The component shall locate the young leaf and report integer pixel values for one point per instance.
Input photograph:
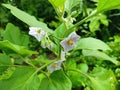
(23, 78)
(69, 4)
(10, 48)
(57, 81)
(13, 34)
(104, 5)
(92, 43)
(26, 18)
(58, 6)
(99, 55)
(94, 25)
(96, 21)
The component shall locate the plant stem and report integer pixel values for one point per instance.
(43, 67)
(85, 7)
(76, 70)
(83, 20)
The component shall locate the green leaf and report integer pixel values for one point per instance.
(103, 79)
(96, 21)
(58, 33)
(83, 67)
(5, 69)
(103, 19)
(57, 81)
(69, 4)
(92, 43)
(94, 25)
(99, 55)
(7, 73)
(26, 18)
(77, 79)
(104, 5)
(10, 48)
(23, 78)
(13, 34)
(58, 6)
(5, 60)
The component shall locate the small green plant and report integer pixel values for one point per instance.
(24, 69)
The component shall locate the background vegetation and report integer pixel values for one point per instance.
(104, 26)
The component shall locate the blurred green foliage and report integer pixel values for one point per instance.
(41, 9)
(104, 26)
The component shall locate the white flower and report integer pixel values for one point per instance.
(37, 32)
(70, 42)
(54, 66)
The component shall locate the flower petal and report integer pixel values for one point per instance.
(54, 66)
(70, 42)
(38, 33)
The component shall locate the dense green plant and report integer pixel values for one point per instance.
(67, 66)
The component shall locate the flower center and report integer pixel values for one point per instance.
(38, 31)
(54, 66)
(70, 42)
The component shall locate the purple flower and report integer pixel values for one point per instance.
(37, 32)
(54, 66)
(70, 42)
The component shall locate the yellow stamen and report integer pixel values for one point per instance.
(54, 66)
(38, 31)
(70, 42)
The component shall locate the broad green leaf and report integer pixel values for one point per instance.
(83, 67)
(58, 33)
(58, 6)
(5, 60)
(57, 81)
(104, 5)
(103, 79)
(5, 69)
(70, 63)
(100, 55)
(23, 78)
(92, 43)
(10, 48)
(7, 73)
(69, 4)
(76, 78)
(26, 18)
(13, 34)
